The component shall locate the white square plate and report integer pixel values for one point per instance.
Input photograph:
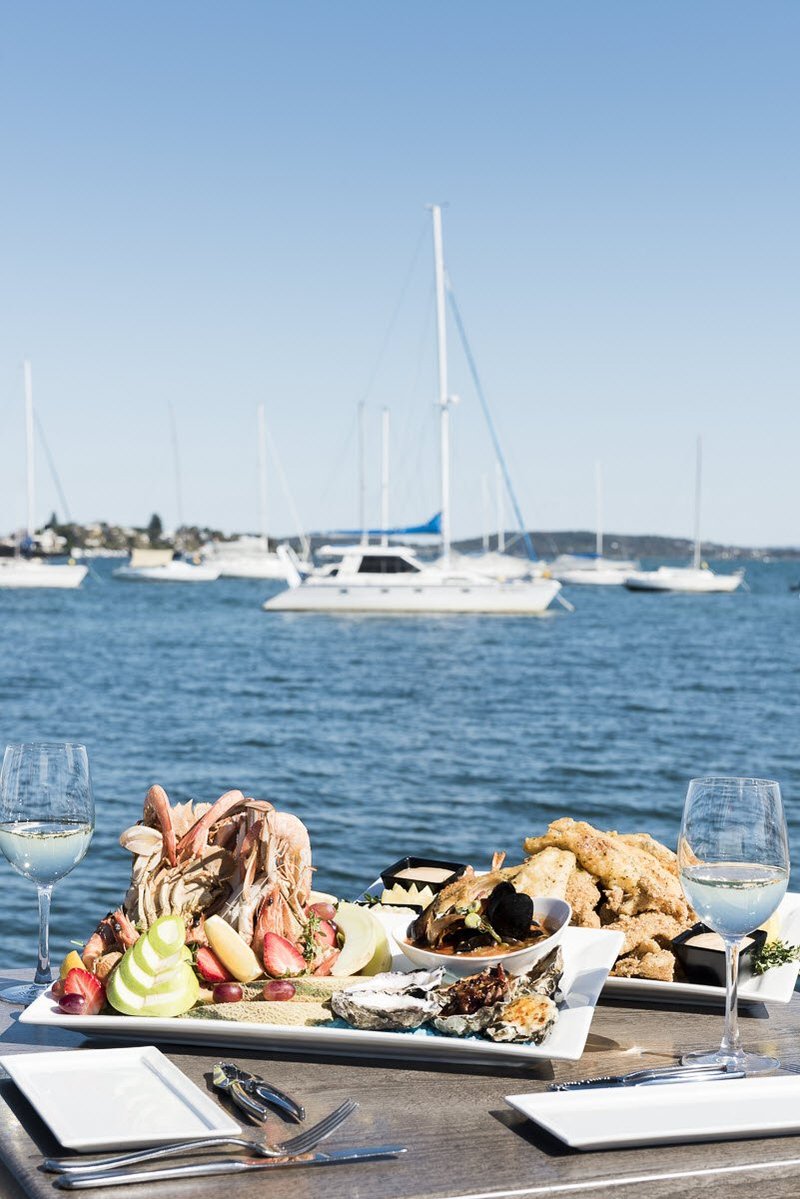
(667, 1115)
(94, 1099)
(589, 954)
(776, 986)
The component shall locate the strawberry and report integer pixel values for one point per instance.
(210, 967)
(281, 958)
(81, 982)
(327, 964)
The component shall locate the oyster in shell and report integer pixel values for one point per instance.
(528, 1018)
(390, 1002)
(469, 1004)
(544, 976)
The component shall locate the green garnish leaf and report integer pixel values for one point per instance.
(775, 953)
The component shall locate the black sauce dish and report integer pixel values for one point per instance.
(705, 964)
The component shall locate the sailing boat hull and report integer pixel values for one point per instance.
(517, 599)
(263, 567)
(60, 576)
(687, 579)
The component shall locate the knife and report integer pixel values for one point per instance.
(334, 1157)
(654, 1077)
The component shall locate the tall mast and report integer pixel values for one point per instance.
(486, 512)
(362, 478)
(262, 474)
(501, 516)
(697, 486)
(598, 482)
(385, 476)
(176, 462)
(444, 399)
(29, 447)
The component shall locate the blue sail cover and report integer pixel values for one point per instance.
(432, 529)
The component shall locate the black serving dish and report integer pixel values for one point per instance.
(705, 965)
(390, 877)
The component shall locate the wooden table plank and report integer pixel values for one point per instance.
(464, 1140)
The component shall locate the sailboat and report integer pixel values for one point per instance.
(250, 557)
(21, 572)
(392, 578)
(593, 569)
(697, 577)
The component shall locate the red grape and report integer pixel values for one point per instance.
(227, 993)
(325, 911)
(279, 990)
(72, 1005)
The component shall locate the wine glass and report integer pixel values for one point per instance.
(46, 824)
(733, 857)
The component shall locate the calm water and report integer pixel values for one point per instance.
(446, 735)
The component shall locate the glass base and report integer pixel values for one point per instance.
(750, 1063)
(24, 994)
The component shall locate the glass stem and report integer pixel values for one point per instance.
(43, 974)
(730, 1040)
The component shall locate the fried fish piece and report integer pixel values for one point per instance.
(667, 857)
(648, 932)
(635, 879)
(583, 896)
(658, 965)
(547, 873)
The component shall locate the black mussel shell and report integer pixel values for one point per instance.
(509, 913)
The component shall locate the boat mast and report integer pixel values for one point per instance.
(362, 481)
(29, 448)
(262, 474)
(444, 399)
(697, 486)
(598, 482)
(385, 476)
(501, 516)
(486, 512)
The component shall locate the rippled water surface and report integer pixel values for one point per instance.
(446, 735)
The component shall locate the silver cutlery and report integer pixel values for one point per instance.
(304, 1142)
(250, 1092)
(336, 1157)
(656, 1076)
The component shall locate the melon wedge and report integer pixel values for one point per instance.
(381, 960)
(232, 950)
(359, 929)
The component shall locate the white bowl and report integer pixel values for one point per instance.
(554, 913)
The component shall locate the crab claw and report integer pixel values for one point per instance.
(158, 813)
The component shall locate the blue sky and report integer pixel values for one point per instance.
(214, 205)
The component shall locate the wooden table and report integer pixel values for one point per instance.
(463, 1139)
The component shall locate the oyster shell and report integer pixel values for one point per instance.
(544, 976)
(390, 1002)
(528, 1018)
(469, 1004)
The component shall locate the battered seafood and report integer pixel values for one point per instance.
(626, 882)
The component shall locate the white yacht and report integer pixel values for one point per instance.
(244, 558)
(26, 573)
(695, 578)
(33, 572)
(391, 578)
(683, 578)
(377, 578)
(593, 569)
(161, 566)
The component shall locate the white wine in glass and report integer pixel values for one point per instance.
(46, 824)
(733, 857)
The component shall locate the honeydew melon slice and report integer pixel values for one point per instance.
(232, 950)
(359, 929)
(167, 936)
(381, 960)
(171, 995)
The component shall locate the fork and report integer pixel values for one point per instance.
(302, 1143)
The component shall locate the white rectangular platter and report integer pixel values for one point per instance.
(589, 954)
(116, 1098)
(667, 1115)
(776, 986)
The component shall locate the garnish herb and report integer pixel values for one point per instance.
(775, 953)
(310, 945)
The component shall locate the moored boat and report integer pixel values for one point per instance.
(161, 566)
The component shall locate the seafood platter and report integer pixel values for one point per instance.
(221, 939)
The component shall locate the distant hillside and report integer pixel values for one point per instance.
(625, 545)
